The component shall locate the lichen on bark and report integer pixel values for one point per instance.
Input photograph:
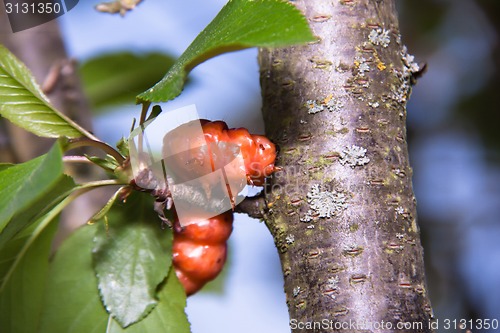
(336, 108)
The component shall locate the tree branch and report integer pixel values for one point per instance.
(344, 214)
(253, 206)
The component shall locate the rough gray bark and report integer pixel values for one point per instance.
(344, 219)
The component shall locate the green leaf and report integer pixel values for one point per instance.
(240, 24)
(16, 252)
(109, 163)
(24, 104)
(132, 256)
(21, 297)
(41, 206)
(23, 184)
(122, 146)
(4, 166)
(72, 303)
(117, 78)
(155, 112)
(167, 317)
(102, 213)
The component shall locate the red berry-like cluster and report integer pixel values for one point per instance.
(199, 250)
(200, 245)
(258, 151)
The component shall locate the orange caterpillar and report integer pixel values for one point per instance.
(199, 246)
(258, 151)
(190, 154)
(199, 250)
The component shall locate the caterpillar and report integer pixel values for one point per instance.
(200, 245)
(192, 152)
(199, 250)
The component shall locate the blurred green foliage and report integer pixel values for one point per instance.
(116, 78)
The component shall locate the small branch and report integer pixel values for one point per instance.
(252, 206)
(52, 77)
(144, 113)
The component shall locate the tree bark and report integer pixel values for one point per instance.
(342, 211)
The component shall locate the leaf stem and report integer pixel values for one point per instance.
(142, 120)
(75, 125)
(76, 159)
(144, 112)
(105, 209)
(99, 183)
(86, 142)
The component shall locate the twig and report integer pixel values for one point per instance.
(253, 206)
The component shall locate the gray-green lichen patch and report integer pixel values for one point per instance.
(401, 92)
(353, 156)
(363, 67)
(409, 61)
(361, 63)
(324, 204)
(314, 107)
(328, 104)
(333, 282)
(380, 37)
(296, 291)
